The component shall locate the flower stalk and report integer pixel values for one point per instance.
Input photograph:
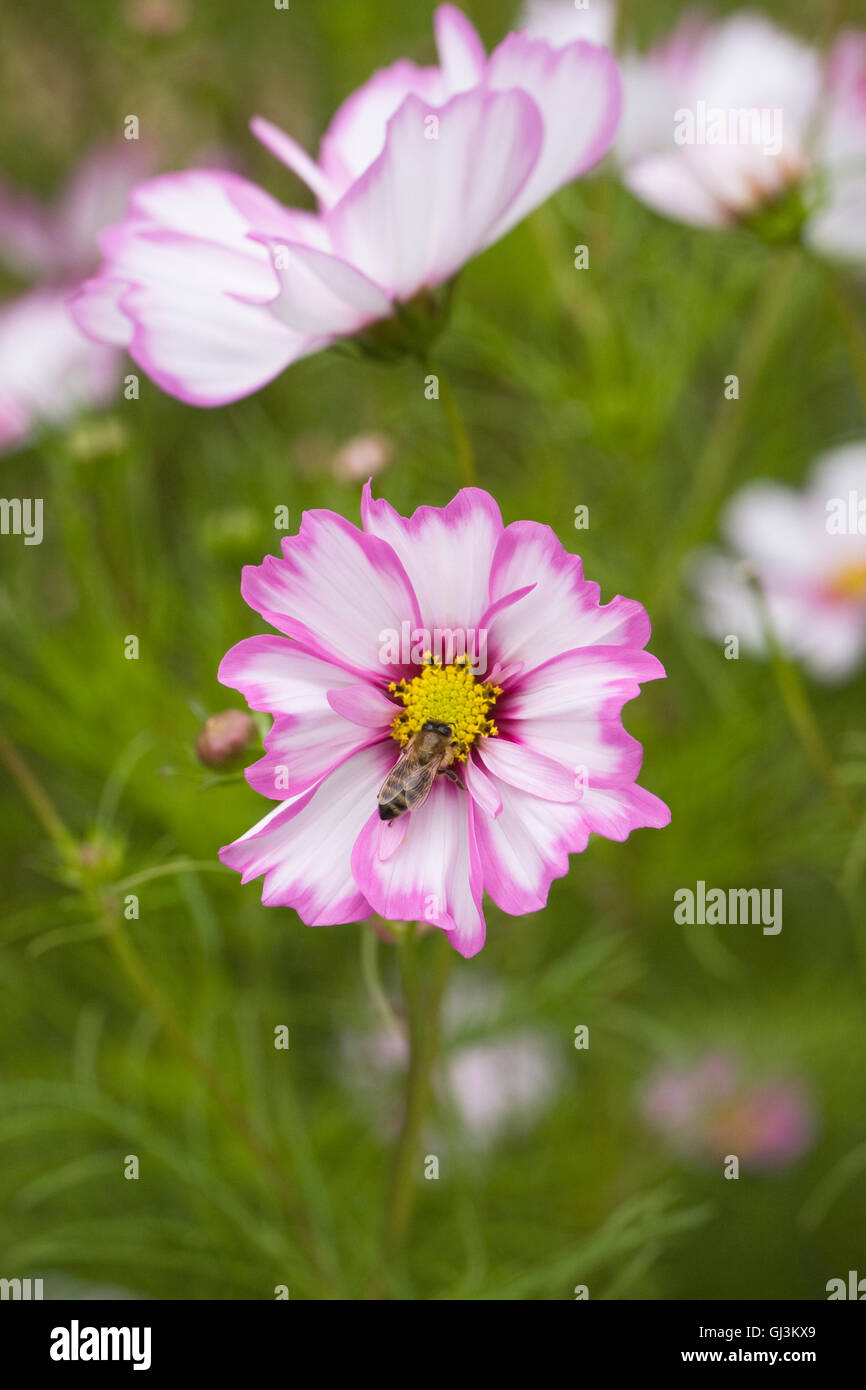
(424, 990)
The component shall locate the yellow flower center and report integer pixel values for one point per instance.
(849, 582)
(446, 695)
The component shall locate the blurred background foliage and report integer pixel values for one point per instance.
(601, 387)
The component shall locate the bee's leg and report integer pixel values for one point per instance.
(453, 774)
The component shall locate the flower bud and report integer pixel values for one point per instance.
(224, 737)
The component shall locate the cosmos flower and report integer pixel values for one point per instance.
(215, 287)
(807, 552)
(48, 370)
(738, 121)
(709, 1109)
(538, 756)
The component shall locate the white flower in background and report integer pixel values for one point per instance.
(48, 369)
(563, 21)
(807, 552)
(736, 120)
(503, 1087)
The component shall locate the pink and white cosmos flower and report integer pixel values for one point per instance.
(48, 369)
(555, 767)
(215, 287)
(807, 551)
(812, 145)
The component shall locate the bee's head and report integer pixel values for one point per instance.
(433, 727)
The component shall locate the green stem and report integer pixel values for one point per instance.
(459, 433)
(373, 981)
(799, 709)
(852, 329)
(713, 467)
(423, 1002)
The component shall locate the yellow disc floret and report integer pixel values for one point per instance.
(849, 583)
(446, 695)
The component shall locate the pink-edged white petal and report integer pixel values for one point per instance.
(524, 848)
(295, 157)
(577, 91)
(461, 52)
(277, 676)
(364, 704)
(446, 552)
(562, 612)
(48, 370)
(481, 787)
(322, 295)
(521, 765)
(433, 875)
(570, 711)
(440, 188)
(356, 135)
(336, 590)
(304, 848)
(615, 812)
(196, 283)
(300, 751)
(96, 308)
(311, 734)
(208, 349)
(669, 184)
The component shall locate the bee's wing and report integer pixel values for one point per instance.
(418, 779)
(408, 784)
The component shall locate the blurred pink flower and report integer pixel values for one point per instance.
(48, 372)
(363, 456)
(736, 65)
(499, 1084)
(552, 665)
(807, 552)
(224, 737)
(48, 369)
(711, 1109)
(502, 1085)
(215, 287)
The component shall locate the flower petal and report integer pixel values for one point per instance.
(526, 847)
(310, 735)
(356, 135)
(321, 294)
(615, 812)
(461, 52)
(434, 875)
(523, 766)
(335, 590)
(577, 91)
(365, 705)
(48, 371)
(570, 710)
(96, 308)
(446, 552)
(481, 787)
(436, 194)
(287, 150)
(304, 848)
(563, 611)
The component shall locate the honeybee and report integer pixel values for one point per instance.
(411, 779)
